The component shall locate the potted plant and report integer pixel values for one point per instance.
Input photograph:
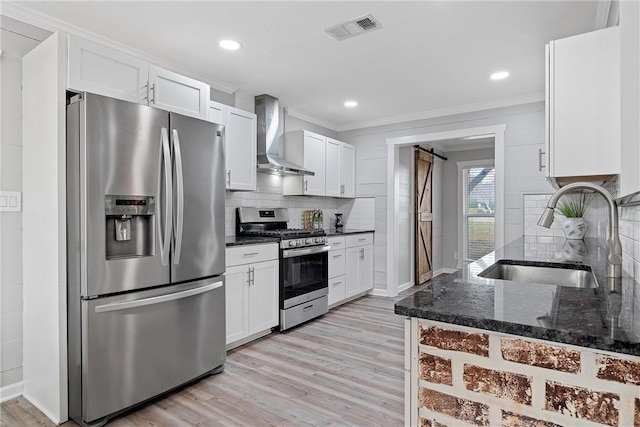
(573, 207)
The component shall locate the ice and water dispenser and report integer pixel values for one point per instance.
(129, 226)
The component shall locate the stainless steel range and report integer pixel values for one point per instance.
(304, 263)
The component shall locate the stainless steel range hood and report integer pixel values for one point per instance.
(269, 160)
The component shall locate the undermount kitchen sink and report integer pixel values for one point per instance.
(576, 276)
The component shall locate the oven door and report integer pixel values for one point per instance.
(304, 275)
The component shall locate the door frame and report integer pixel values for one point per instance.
(393, 186)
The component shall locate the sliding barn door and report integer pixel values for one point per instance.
(424, 216)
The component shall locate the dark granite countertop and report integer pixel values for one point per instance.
(331, 232)
(249, 240)
(605, 318)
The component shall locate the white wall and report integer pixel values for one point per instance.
(11, 333)
(523, 136)
(450, 190)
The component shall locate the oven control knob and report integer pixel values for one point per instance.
(293, 242)
(318, 239)
(308, 241)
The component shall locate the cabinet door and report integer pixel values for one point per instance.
(314, 160)
(347, 170)
(336, 263)
(584, 104)
(217, 113)
(174, 92)
(236, 302)
(337, 290)
(263, 296)
(352, 266)
(365, 273)
(332, 170)
(99, 69)
(240, 149)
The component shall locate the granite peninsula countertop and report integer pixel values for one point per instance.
(605, 318)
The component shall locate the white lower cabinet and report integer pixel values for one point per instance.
(351, 271)
(251, 291)
(337, 281)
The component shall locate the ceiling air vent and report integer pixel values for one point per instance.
(354, 27)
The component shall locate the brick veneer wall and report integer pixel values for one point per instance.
(466, 376)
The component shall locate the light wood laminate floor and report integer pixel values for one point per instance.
(343, 369)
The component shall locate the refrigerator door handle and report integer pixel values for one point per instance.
(157, 300)
(168, 203)
(179, 199)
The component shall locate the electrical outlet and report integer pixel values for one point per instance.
(10, 201)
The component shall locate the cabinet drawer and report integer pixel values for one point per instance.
(336, 263)
(337, 289)
(336, 242)
(251, 253)
(359, 240)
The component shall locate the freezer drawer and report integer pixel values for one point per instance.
(139, 345)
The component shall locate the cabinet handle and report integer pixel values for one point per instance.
(362, 239)
(306, 185)
(229, 178)
(342, 189)
(146, 92)
(337, 256)
(361, 254)
(540, 154)
(250, 254)
(153, 89)
(249, 276)
(253, 275)
(337, 283)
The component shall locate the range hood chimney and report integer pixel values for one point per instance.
(269, 160)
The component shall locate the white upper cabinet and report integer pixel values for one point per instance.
(332, 161)
(307, 149)
(340, 169)
(239, 144)
(347, 170)
(173, 92)
(106, 71)
(583, 105)
(332, 170)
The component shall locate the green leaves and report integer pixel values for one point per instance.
(573, 205)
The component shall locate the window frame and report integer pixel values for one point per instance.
(462, 207)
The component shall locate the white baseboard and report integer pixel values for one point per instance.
(379, 293)
(405, 286)
(444, 271)
(42, 409)
(11, 391)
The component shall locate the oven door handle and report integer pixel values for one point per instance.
(290, 253)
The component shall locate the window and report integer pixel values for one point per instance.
(478, 210)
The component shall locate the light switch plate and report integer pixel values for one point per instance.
(10, 201)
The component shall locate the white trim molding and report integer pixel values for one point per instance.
(393, 145)
(11, 391)
(405, 286)
(444, 271)
(379, 293)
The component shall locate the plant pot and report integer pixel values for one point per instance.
(574, 228)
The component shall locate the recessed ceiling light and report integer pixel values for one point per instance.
(500, 75)
(350, 104)
(229, 44)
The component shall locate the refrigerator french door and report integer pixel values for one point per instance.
(145, 215)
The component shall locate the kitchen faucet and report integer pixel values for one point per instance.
(614, 248)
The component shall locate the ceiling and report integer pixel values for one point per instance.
(430, 58)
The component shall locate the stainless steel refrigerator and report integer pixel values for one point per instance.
(146, 253)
